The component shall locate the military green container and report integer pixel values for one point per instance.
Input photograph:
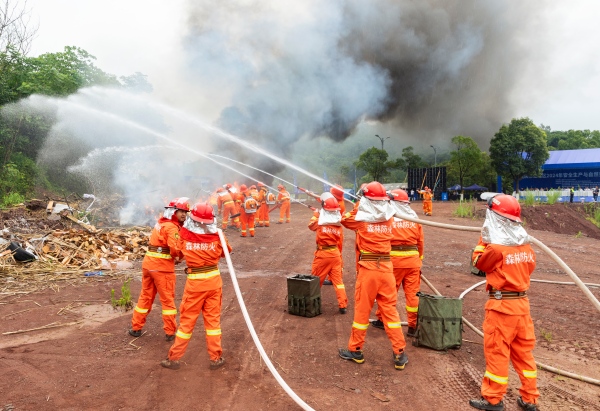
(439, 322)
(304, 295)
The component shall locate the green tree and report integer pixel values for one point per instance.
(465, 161)
(375, 162)
(410, 159)
(518, 150)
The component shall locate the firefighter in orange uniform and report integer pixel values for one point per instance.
(202, 249)
(508, 260)
(338, 193)
(407, 253)
(225, 204)
(236, 210)
(328, 257)
(247, 211)
(283, 198)
(263, 208)
(427, 200)
(158, 269)
(375, 278)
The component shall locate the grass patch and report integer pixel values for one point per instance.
(546, 335)
(125, 300)
(529, 198)
(579, 234)
(552, 196)
(465, 209)
(592, 212)
(12, 199)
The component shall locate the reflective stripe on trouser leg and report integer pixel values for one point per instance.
(145, 301)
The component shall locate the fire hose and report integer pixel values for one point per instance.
(261, 350)
(544, 248)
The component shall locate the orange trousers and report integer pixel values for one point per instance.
(427, 207)
(263, 215)
(376, 283)
(228, 209)
(247, 221)
(192, 305)
(284, 211)
(153, 282)
(410, 280)
(508, 338)
(332, 266)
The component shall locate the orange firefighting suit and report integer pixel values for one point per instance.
(225, 203)
(374, 281)
(407, 252)
(247, 218)
(328, 257)
(507, 327)
(236, 210)
(202, 293)
(263, 210)
(158, 275)
(427, 201)
(283, 198)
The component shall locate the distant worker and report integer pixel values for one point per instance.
(271, 201)
(235, 221)
(375, 278)
(571, 194)
(203, 290)
(427, 200)
(225, 205)
(407, 255)
(247, 211)
(508, 260)
(263, 208)
(595, 194)
(328, 257)
(158, 269)
(284, 199)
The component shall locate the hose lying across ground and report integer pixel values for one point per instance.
(306, 407)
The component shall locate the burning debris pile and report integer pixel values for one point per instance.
(55, 240)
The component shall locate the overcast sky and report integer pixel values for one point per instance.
(146, 36)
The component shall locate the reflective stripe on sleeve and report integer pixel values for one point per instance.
(394, 325)
(213, 332)
(412, 309)
(169, 312)
(141, 310)
(360, 326)
(183, 335)
(530, 373)
(496, 378)
(158, 255)
(203, 276)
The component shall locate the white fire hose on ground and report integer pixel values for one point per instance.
(261, 350)
(564, 266)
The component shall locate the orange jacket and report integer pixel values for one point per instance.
(164, 234)
(254, 193)
(370, 237)
(262, 195)
(507, 268)
(222, 199)
(327, 235)
(407, 233)
(283, 196)
(427, 195)
(202, 250)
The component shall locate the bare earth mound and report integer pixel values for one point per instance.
(93, 364)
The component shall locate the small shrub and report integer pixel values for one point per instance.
(579, 234)
(125, 300)
(529, 198)
(465, 209)
(547, 335)
(553, 196)
(12, 199)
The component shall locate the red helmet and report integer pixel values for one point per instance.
(506, 206)
(202, 213)
(243, 187)
(180, 203)
(252, 187)
(399, 195)
(227, 186)
(375, 191)
(280, 187)
(337, 191)
(261, 184)
(330, 204)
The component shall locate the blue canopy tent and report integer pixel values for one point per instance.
(475, 187)
(455, 187)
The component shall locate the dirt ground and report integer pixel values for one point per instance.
(93, 364)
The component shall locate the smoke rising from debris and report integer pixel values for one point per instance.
(429, 69)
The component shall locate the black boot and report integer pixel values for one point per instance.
(483, 404)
